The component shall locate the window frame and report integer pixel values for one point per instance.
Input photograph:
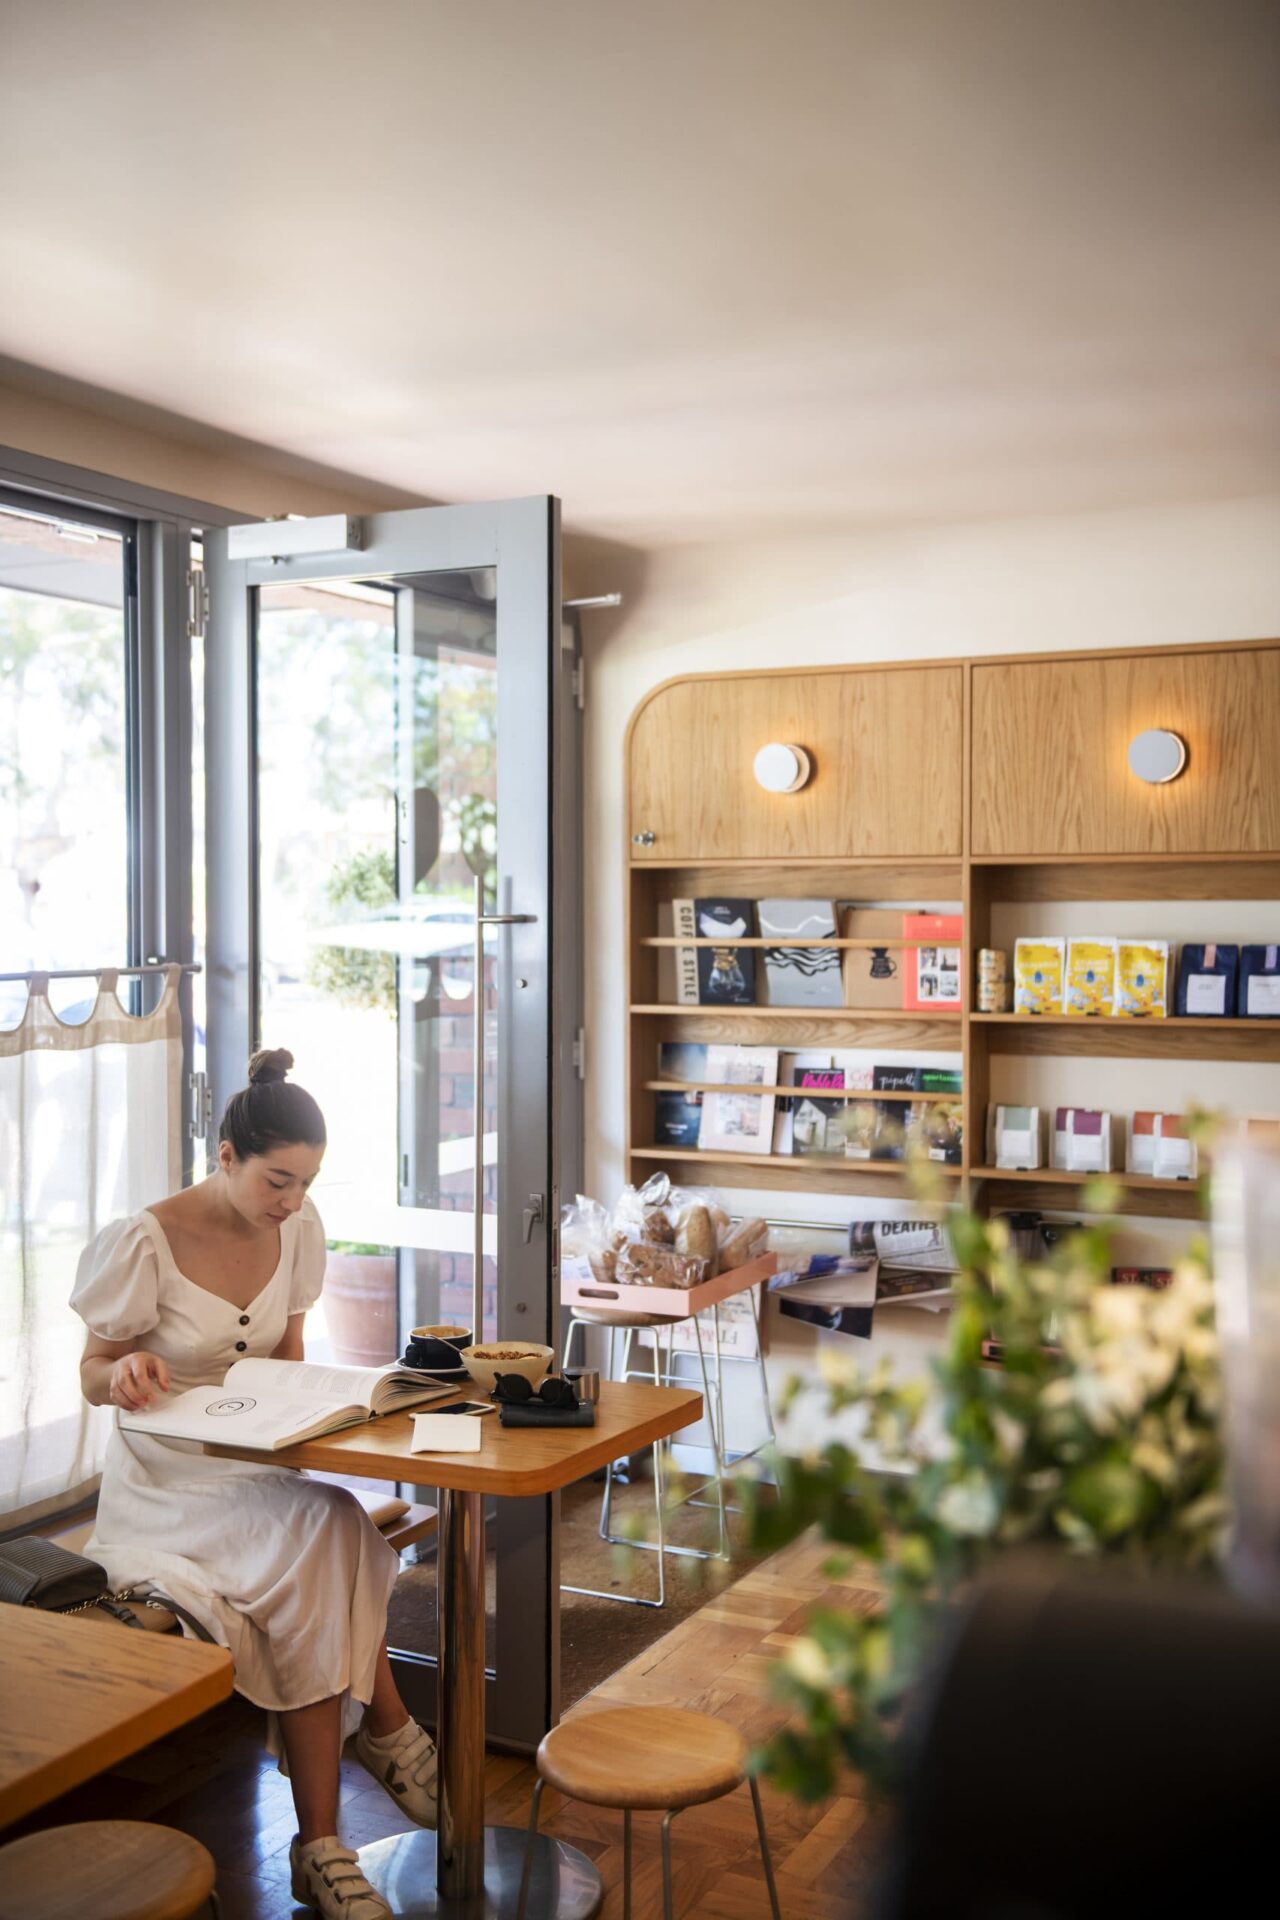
(158, 529)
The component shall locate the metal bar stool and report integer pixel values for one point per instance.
(628, 1324)
(637, 1758)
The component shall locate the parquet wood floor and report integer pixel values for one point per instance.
(213, 1780)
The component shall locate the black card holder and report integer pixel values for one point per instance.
(535, 1415)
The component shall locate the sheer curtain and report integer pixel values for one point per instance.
(90, 1130)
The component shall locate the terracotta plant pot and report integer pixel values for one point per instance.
(359, 1303)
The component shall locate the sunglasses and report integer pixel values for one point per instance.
(515, 1391)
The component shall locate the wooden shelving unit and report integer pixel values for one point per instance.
(855, 835)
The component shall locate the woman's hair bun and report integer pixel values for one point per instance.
(269, 1065)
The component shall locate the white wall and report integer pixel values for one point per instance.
(1171, 575)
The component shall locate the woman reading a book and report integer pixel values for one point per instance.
(290, 1574)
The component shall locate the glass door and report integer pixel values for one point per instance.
(385, 729)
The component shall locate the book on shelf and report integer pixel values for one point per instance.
(678, 1114)
(726, 973)
(677, 966)
(739, 1122)
(800, 976)
(872, 975)
(896, 1079)
(935, 1131)
(933, 974)
(819, 1128)
(791, 1067)
(270, 1404)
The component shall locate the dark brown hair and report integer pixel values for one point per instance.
(271, 1111)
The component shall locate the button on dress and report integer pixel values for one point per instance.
(288, 1573)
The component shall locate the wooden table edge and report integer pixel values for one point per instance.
(52, 1778)
(464, 1474)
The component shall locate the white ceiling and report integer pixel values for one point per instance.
(722, 267)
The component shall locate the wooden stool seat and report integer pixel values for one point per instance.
(643, 1757)
(110, 1869)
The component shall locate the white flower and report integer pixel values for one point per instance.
(969, 1506)
(807, 1663)
(836, 1368)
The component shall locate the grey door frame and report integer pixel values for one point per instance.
(536, 838)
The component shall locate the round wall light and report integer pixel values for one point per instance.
(1157, 756)
(781, 769)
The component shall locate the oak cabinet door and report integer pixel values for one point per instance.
(886, 753)
(1050, 754)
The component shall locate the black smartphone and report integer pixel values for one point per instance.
(461, 1406)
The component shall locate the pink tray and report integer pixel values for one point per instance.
(681, 1302)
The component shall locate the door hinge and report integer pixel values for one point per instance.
(579, 684)
(197, 603)
(580, 1053)
(200, 1117)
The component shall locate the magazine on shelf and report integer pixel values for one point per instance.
(271, 1404)
(726, 973)
(739, 1122)
(678, 1116)
(933, 973)
(872, 975)
(790, 1068)
(799, 976)
(677, 976)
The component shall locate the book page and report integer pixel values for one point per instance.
(238, 1419)
(343, 1385)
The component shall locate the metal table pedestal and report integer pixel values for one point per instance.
(467, 1869)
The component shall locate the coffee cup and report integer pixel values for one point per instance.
(437, 1347)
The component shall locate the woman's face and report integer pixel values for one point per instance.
(268, 1187)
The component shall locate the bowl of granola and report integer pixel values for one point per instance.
(485, 1363)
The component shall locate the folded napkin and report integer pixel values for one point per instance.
(534, 1414)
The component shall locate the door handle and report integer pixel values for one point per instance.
(535, 1210)
(534, 1214)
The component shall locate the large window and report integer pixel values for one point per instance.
(95, 875)
(64, 753)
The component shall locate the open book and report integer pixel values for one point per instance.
(274, 1403)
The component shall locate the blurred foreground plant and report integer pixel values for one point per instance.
(1099, 1435)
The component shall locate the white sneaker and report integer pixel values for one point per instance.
(406, 1770)
(326, 1875)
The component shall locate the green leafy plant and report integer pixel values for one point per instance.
(357, 1246)
(1099, 1435)
(358, 888)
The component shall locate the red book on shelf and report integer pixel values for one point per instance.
(933, 972)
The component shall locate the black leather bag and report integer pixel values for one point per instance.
(35, 1572)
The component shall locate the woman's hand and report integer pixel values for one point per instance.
(134, 1379)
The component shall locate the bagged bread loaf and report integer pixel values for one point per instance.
(696, 1235)
(745, 1242)
(643, 1265)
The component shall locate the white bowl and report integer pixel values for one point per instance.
(533, 1363)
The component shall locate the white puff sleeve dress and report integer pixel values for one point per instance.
(288, 1573)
